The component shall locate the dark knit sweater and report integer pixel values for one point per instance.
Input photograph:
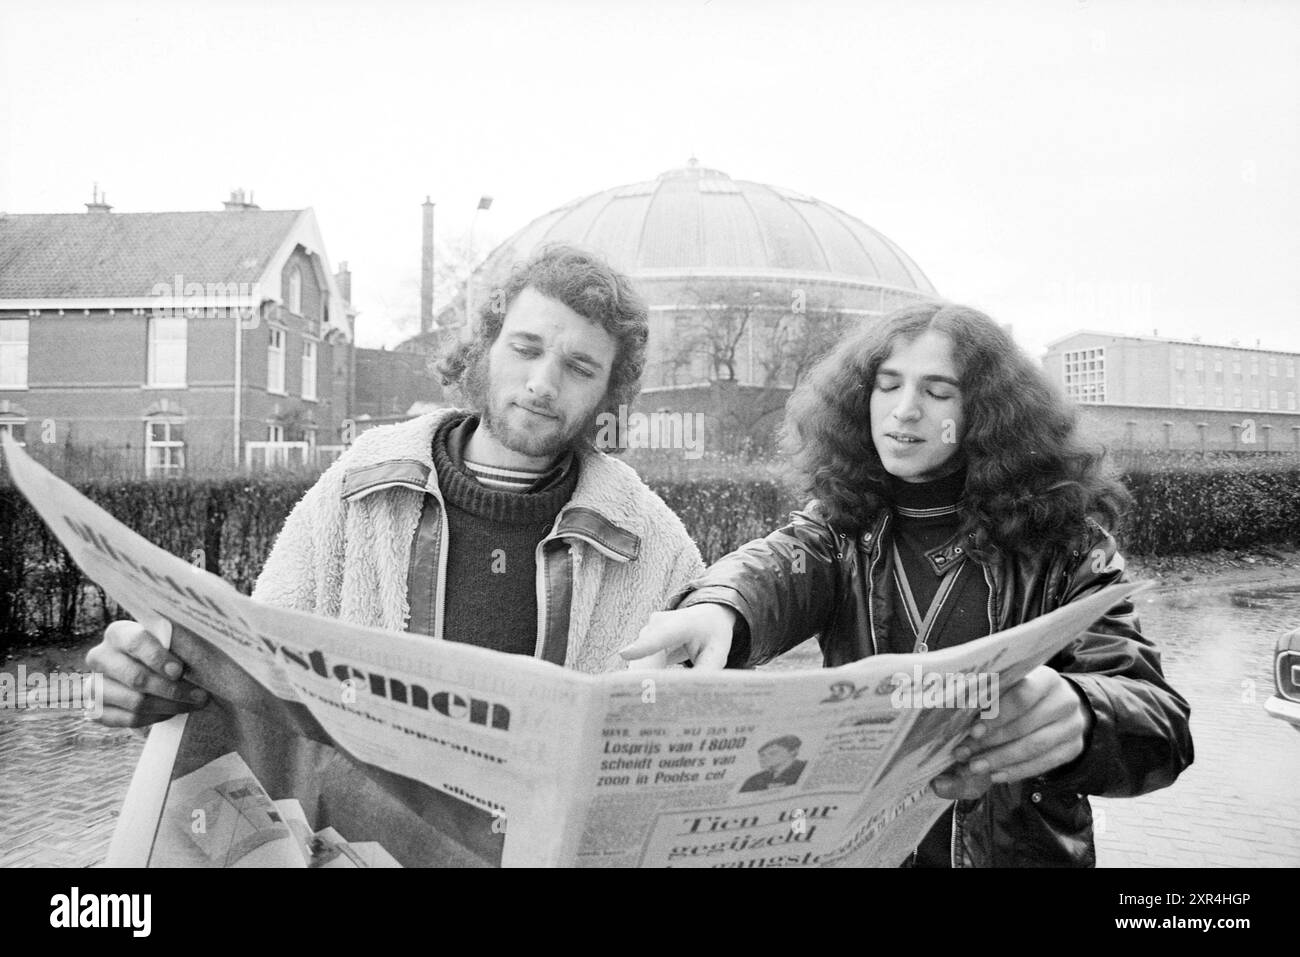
(491, 595)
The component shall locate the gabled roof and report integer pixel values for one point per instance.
(124, 255)
(132, 260)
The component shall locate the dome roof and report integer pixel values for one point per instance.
(696, 221)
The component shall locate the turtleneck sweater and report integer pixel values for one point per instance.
(491, 590)
(926, 519)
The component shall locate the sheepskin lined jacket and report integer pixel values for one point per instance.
(615, 554)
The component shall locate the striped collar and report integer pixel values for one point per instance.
(602, 510)
(937, 511)
(504, 480)
(518, 481)
(926, 499)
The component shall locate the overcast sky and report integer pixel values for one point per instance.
(1061, 164)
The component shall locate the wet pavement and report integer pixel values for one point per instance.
(62, 778)
(1239, 803)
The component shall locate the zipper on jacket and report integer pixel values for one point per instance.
(443, 540)
(953, 845)
(988, 578)
(871, 576)
(539, 563)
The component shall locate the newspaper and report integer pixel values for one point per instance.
(330, 744)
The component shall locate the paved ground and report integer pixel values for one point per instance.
(62, 778)
(1237, 804)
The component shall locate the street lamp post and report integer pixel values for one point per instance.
(485, 202)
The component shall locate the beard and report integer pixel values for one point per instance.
(518, 430)
(526, 433)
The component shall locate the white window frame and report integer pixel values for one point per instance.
(167, 352)
(1236, 398)
(173, 450)
(309, 353)
(1084, 372)
(1272, 366)
(1178, 359)
(1272, 398)
(1180, 394)
(275, 349)
(295, 291)
(9, 423)
(1290, 401)
(14, 340)
(1254, 398)
(274, 432)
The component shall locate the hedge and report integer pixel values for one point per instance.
(229, 525)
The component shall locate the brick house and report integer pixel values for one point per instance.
(165, 343)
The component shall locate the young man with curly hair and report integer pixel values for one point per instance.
(953, 499)
(500, 525)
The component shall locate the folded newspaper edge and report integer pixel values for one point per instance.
(532, 764)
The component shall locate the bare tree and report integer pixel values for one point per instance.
(720, 317)
(727, 323)
(758, 341)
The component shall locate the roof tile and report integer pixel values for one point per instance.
(123, 255)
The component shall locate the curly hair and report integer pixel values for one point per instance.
(590, 287)
(1030, 482)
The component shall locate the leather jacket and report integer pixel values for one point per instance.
(813, 578)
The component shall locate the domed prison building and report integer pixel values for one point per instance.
(748, 284)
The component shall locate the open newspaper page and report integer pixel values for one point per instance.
(327, 744)
(829, 767)
(422, 747)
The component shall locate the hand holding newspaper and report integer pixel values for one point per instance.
(330, 744)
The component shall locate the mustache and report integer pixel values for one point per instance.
(544, 409)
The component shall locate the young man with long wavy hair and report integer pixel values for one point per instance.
(952, 498)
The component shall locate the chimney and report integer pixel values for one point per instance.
(99, 202)
(343, 278)
(237, 203)
(426, 270)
